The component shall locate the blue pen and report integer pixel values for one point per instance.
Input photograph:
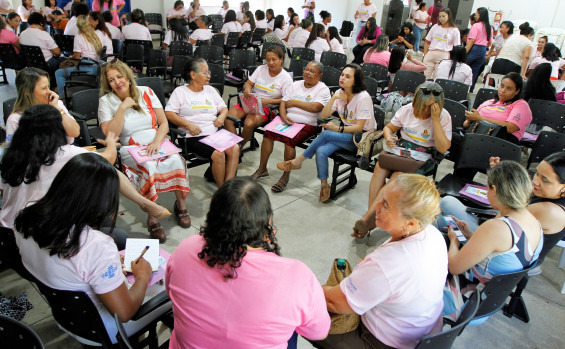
(142, 253)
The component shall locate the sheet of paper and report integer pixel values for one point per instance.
(221, 140)
(278, 126)
(476, 191)
(134, 247)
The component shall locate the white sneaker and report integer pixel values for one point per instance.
(535, 271)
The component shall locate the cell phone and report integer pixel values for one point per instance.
(405, 153)
(451, 222)
(323, 121)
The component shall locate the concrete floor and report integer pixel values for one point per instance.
(317, 233)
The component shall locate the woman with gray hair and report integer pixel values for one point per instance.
(424, 126)
(198, 109)
(510, 242)
(397, 288)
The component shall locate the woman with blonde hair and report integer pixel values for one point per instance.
(137, 116)
(397, 289)
(89, 44)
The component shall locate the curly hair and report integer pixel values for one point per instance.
(240, 216)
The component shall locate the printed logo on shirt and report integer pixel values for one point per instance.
(444, 38)
(201, 104)
(111, 272)
(350, 286)
(308, 98)
(495, 107)
(416, 135)
(261, 85)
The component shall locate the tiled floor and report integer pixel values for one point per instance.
(317, 233)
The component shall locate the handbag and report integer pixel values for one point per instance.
(396, 163)
(488, 128)
(341, 323)
(364, 151)
(69, 63)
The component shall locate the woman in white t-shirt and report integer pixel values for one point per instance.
(279, 27)
(440, 41)
(425, 127)
(25, 9)
(455, 68)
(336, 43)
(136, 30)
(198, 109)
(420, 22)
(176, 32)
(194, 12)
(178, 11)
(87, 44)
(549, 55)
(355, 109)
(248, 22)
(318, 41)
(326, 19)
(115, 32)
(270, 18)
(260, 21)
(309, 6)
(268, 83)
(5, 7)
(58, 20)
(519, 50)
(61, 244)
(225, 7)
(230, 25)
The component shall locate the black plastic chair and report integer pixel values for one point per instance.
(202, 43)
(216, 23)
(180, 48)
(156, 19)
(147, 47)
(454, 90)
(372, 87)
(217, 77)
(16, 334)
(406, 80)
(66, 43)
(331, 78)
(34, 57)
(118, 46)
(231, 42)
(135, 56)
(239, 59)
(303, 53)
(483, 95)
(7, 106)
(457, 112)
(548, 113)
(156, 84)
(9, 59)
(266, 45)
(296, 67)
(85, 112)
(245, 39)
(23, 26)
(175, 74)
(75, 312)
(212, 54)
(333, 59)
(350, 161)
(10, 254)
(374, 70)
(475, 153)
(445, 339)
(346, 29)
(217, 40)
(547, 143)
(157, 65)
(256, 40)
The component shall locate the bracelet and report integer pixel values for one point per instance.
(341, 128)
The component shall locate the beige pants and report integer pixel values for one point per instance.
(431, 60)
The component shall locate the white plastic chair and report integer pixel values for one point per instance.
(561, 262)
(559, 84)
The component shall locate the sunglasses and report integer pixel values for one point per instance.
(427, 91)
(112, 62)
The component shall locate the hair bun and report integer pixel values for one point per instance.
(524, 26)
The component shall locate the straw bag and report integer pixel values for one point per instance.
(341, 323)
(364, 147)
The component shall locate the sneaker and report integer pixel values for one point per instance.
(535, 271)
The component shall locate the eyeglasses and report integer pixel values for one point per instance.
(207, 73)
(427, 91)
(311, 71)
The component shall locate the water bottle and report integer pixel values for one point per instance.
(341, 266)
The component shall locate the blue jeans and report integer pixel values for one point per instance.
(476, 58)
(418, 35)
(327, 143)
(54, 62)
(358, 28)
(61, 75)
(450, 206)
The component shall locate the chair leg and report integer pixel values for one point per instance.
(335, 175)
(517, 307)
(561, 262)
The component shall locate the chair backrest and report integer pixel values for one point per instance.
(445, 339)
(258, 35)
(374, 70)
(202, 42)
(215, 17)
(547, 143)
(497, 290)
(333, 59)
(147, 46)
(457, 112)
(7, 107)
(217, 77)
(346, 28)
(303, 53)
(154, 19)
(213, 54)
(477, 149)
(331, 76)
(241, 59)
(379, 117)
(216, 24)
(496, 78)
(85, 103)
(180, 48)
(297, 67)
(118, 46)
(548, 113)
(34, 57)
(83, 139)
(245, 38)
(156, 84)
(66, 43)
(406, 80)
(453, 90)
(372, 86)
(135, 52)
(266, 45)
(16, 334)
(233, 39)
(483, 95)
(177, 68)
(8, 54)
(24, 26)
(75, 312)
(157, 65)
(217, 40)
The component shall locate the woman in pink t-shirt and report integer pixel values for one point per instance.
(114, 6)
(7, 36)
(440, 40)
(479, 38)
(424, 126)
(229, 285)
(379, 53)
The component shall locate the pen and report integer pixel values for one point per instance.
(142, 253)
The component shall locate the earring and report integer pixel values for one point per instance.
(563, 192)
(405, 235)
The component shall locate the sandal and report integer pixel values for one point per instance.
(360, 230)
(288, 166)
(324, 193)
(277, 188)
(183, 219)
(156, 231)
(259, 174)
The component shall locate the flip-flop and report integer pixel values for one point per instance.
(287, 166)
(276, 188)
(259, 174)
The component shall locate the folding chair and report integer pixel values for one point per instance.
(231, 42)
(303, 53)
(483, 95)
(66, 43)
(135, 56)
(457, 112)
(147, 47)
(266, 45)
(175, 74)
(331, 78)
(156, 20)
(333, 59)
(16, 334)
(256, 40)
(217, 77)
(245, 39)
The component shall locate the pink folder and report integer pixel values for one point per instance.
(475, 192)
(167, 148)
(157, 275)
(221, 140)
(278, 126)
